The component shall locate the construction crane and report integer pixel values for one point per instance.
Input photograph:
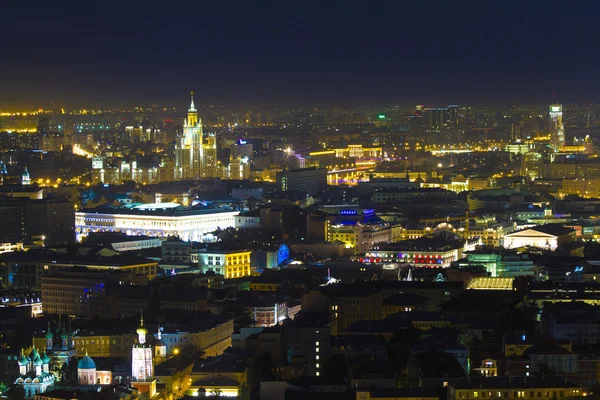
(448, 219)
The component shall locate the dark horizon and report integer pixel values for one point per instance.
(339, 53)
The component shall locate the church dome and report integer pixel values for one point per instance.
(86, 363)
(23, 360)
(45, 358)
(33, 355)
(38, 361)
(141, 331)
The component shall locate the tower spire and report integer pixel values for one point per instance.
(192, 107)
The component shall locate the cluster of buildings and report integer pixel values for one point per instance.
(355, 260)
(195, 156)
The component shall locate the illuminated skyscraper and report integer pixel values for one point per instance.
(195, 151)
(210, 167)
(188, 150)
(556, 127)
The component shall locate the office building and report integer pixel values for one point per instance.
(12, 219)
(556, 127)
(33, 192)
(310, 180)
(51, 219)
(242, 149)
(229, 263)
(513, 388)
(437, 118)
(80, 294)
(209, 165)
(586, 188)
(25, 269)
(308, 340)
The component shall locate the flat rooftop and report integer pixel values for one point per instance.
(151, 210)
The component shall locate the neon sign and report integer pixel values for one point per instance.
(348, 212)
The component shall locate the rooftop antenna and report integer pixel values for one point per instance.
(192, 107)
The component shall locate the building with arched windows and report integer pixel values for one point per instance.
(86, 371)
(34, 373)
(155, 220)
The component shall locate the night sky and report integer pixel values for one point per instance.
(298, 52)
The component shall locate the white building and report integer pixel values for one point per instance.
(34, 373)
(247, 221)
(142, 368)
(268, 315)
(157, 220)
(547, 237)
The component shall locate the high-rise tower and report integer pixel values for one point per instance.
(556, 127)
(188, 151)
(210, 165)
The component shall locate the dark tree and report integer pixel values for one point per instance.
(192, 353)
(15, 392)
(265, 365)
(244, 392)
(399, 346)
(336, 369)
(68, 373)
(544, 369)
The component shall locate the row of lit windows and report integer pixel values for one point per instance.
(517, 394)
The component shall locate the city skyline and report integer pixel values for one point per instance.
(280, 54)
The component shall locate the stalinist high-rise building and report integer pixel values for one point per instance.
(196, 153)
(188, 149)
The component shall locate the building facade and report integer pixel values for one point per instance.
(229, 263)
(34, 373)
(157, 220)
(556, 127)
